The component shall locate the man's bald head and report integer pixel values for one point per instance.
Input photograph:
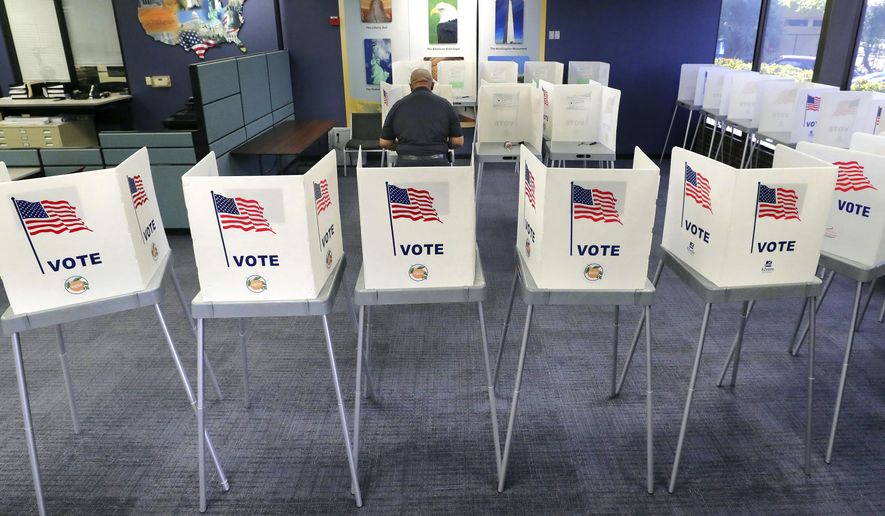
(421, 78)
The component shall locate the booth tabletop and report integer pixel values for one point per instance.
(689, 105)
(581, 149)
(782, 137)
(714, 113)
(321, 305)
(12, 322)
(17, 173)
(851, 269)
(711, 293)
(742, 124)
(408, 296)
(534, 295)
(289, 138)
(491, 150)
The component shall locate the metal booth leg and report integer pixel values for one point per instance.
(502, 476)
(689, 398)
(812, 315)
(241, 326)
(866, 304)
(617, 327)
(69, 384)
(744, 151)
(201, 422)
(669, 130)
(735, 353)
(491, 388)
(841, 391)
(506, 326)
(479, 167)
(369, 388)
(882, 312)
(190, 393)
(187, 313)
(712, 138)
(649, 419)
(26, 420)
(357, 394)
(345, 430)
(796, 345)
(655, 278)
(687, 128)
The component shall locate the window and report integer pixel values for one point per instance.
(869, 63)
(792, 32)
(738, 25)
(92, 33)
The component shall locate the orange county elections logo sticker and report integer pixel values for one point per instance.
(329, 260)
(76, 285)
(418, 272)
(154, 251)
(528, 247)
(256, 284)
(593, 272)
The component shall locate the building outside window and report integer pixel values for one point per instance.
(792, 33)
(869, 64)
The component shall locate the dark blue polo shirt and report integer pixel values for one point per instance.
(421, 122)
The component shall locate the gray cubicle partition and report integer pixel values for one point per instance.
(172, 154)
(62, 160)
(20, 157)
(240, 98)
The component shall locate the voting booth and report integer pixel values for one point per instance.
(856, 224)
(586, 229)
(789, 111)
(582, 72)
(743, 99)
(418, 226)
(460, 76)
(402, 70)
(4, 173)
(510, 113)
(871, 143)
(263, 238)
(608, 119)
(843, 113)
(391, 93)
(752, 226)
(580, 113)
(717, 93)
(536, 71)
(692, 82)
(81, 237)
(497, 72)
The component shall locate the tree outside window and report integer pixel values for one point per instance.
(869, 65)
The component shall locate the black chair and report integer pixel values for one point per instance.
(365, 132)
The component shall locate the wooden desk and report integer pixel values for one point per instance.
(290, 138)
(111, 113)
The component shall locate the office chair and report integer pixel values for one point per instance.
(365, 132)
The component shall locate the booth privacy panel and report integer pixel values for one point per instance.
(20, 157)
(137, 139)
(254, 87)
(167, 156)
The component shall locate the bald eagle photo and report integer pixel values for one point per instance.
(447, 26)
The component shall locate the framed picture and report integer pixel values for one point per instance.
(376, 11)
(509, 16)
(378, 60)
(443, 21)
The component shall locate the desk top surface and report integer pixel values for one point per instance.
(16, 173)
(288, 138)
(10, 102)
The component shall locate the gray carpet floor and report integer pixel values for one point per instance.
(426, 441)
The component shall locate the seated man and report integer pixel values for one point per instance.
(421, 127)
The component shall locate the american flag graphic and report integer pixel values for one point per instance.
(411, 203)
(530, 186)
(190, 40)
(851, 177)
(697, 187)
(812, 103)
(50, 217)
(594, 204)
(239, 213)
(321, 196)
(386, 97)
(846, 107)
(136, 188)
(546, 98)
(777, 203)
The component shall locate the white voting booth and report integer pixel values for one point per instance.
(549, 71)
(583, 113)
(856, 224)
(692, 81)
(402, 70)
(582, 72)
(496, 72)
(391, 93)
(752, 226)
(460, 76)
(83, 237)
(4, 173)
(871, 143)
(790, 110)
(263, 238)
(743, 100)
(418, 226)
(586, 229)
(717, 93)
(510, 113)
(843, 113)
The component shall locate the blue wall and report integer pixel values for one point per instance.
(143, 56)
(645, 42)
(6, 74)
